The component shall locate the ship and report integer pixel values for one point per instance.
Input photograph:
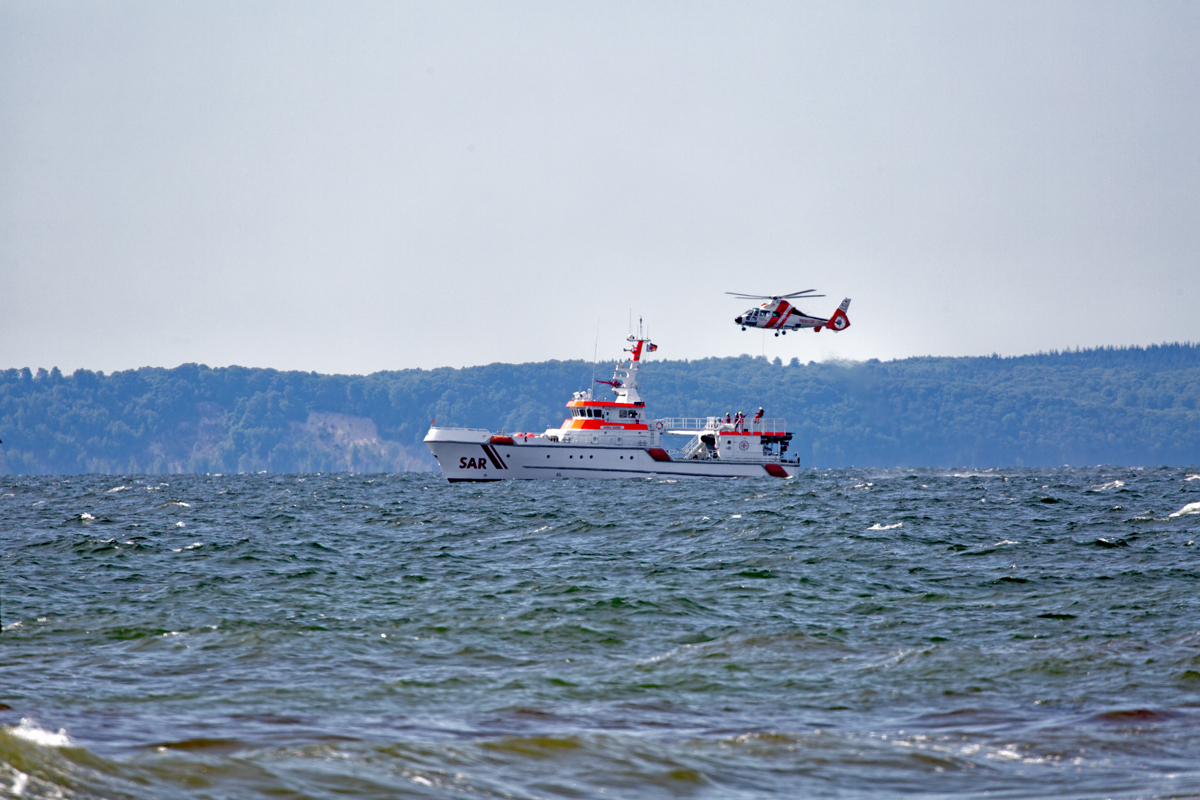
(610, 439)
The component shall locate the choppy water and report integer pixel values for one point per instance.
(849, 633)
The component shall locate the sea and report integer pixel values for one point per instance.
(846, 633)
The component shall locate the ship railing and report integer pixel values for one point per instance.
(697, 425)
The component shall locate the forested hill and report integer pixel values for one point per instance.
(1138, 406)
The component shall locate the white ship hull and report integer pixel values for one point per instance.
(470, 455)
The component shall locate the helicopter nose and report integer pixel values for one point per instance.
(738, 320)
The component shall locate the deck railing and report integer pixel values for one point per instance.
(688, 425)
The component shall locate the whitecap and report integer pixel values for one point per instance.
(180, 503)
(1192, 478)
(1190, 508)
(179, 525)
(736, 516)
(118, 489)
(1106, 486)
(30, 732)
(893, 526)
(19, 783)
(86, 517)
(191, 546)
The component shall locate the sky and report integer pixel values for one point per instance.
(352, 187)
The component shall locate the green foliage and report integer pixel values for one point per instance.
(1111, 405)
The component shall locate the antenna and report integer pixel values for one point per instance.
(595, 351)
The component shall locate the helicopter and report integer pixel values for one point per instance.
(779, 315)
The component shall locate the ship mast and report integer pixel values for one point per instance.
(624, 382)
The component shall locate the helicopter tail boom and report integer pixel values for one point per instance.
(839, 321)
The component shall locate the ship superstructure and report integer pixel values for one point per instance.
(616, 439)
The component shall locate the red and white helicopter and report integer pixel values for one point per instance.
(779, 315)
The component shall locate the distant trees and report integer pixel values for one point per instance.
(1109, 405)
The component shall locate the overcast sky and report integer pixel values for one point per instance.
(349, 187)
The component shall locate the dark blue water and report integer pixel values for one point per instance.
(848, 633)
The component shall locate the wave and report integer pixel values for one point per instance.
(1190, 508)
(30, 732)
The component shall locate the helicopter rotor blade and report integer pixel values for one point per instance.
(806, 294)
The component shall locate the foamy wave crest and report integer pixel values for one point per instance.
(1190, 508)
(893, 526)
(1192, 478)
(1107, 486)
(30, 732)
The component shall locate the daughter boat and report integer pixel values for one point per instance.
(615, 439)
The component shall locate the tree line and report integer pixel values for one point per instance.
(1135, 405)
